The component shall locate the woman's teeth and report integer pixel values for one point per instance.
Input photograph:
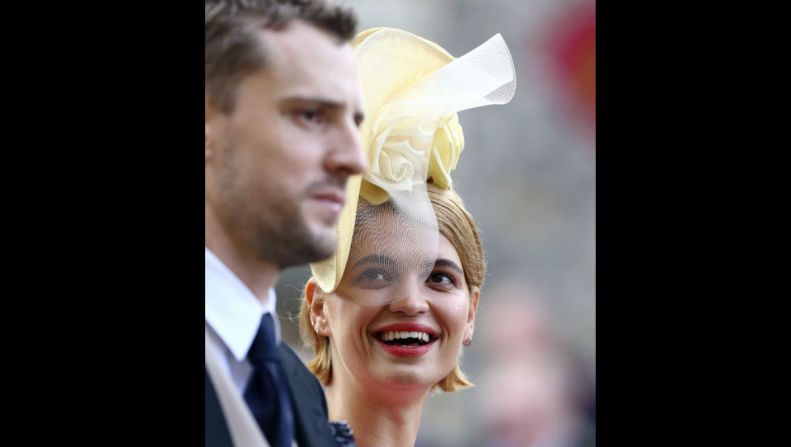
(404, 335)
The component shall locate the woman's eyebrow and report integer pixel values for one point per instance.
(375, 259)
(442, 262)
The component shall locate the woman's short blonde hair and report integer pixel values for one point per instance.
(458, 226)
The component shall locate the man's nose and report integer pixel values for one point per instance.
(346, 153)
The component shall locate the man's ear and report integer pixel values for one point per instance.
(470, 326)
(315, 299)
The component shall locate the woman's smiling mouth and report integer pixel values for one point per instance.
(406, 339)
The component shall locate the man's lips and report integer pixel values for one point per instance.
(332, 197)
(332, 200)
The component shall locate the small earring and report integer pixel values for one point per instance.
(467, 342)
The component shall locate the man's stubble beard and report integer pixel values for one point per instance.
(290, 242)
(276, 232)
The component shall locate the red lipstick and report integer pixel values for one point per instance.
(417, 339)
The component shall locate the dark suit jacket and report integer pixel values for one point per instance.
(307, 398)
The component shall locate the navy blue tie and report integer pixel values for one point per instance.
(267, 392)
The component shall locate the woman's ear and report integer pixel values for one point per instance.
(315, 299)
(470, 326)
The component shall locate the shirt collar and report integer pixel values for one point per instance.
(232, 310)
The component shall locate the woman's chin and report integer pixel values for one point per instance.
(406, 378)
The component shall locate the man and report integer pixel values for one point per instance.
(283, 106)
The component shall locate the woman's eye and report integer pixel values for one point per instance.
(374, 279)
(442, 279)
(373, 275)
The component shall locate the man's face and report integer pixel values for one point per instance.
(277, 164)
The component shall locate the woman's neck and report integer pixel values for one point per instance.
(388, 418)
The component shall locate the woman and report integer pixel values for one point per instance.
(388, 314)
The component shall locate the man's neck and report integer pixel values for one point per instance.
(259, 276)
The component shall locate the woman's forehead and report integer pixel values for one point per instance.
(389, 238)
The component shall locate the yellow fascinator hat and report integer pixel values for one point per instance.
(411, 135)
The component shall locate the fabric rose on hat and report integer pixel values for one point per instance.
(405, 151)
(448, 145)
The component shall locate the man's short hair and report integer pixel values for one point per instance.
(234, 48)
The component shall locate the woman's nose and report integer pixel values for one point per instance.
(409, 300)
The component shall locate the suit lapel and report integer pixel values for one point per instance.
(308, 402)
(215, 429)
(238, 420)
(307, 397)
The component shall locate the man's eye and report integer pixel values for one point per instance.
(311, 116)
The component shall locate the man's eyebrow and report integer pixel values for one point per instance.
(324, 102)
(374, 259)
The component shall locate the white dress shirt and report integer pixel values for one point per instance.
(233, 314)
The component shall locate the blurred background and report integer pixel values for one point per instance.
(527, 175)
